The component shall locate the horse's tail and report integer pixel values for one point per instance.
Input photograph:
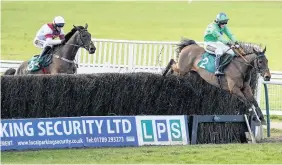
(10, 71)
(183, 43)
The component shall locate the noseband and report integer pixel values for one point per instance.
(258, 69)
(81, 44)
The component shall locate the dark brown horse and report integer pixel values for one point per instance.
(237, 73)
(62, 55)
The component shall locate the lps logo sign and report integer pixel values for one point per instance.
(162, 130)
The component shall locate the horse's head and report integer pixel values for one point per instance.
(84, 39)
(261, 64)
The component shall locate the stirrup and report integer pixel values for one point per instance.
(218, 73)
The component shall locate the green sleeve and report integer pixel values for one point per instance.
(216, 34)
(229, 34)
(219, 37)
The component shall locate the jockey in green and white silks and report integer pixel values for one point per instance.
(214, 42)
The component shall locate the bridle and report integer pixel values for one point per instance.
(257, 68)
(81, 44)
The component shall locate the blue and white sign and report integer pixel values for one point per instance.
(111, 131)
(68, 132)
(162, 130)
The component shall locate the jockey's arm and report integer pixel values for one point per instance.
(48, 35)
(219, 37)
(229, 34)
(50, 41)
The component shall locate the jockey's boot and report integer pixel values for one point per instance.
(217, 61)
(44, 52)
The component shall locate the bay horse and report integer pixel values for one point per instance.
(237, 74)
(61, 56)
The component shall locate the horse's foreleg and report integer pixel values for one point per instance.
(240, 95)
(249, 95)
(249, 102)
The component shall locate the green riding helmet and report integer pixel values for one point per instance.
(221, 18)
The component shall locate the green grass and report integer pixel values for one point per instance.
(275, 97)
(267, 153)
(274, 132)
(164, 21)
(261, 153)
(276, 118)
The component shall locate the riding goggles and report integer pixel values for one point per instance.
(223, 22)
(60, 24)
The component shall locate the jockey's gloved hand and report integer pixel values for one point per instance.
(236, 44)
(229, 44)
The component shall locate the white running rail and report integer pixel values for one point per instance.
(121, 56)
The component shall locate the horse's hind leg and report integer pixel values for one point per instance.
(185, 63)
(181, 68)
(168, 67)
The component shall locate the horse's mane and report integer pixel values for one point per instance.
(69, 35)
(248, 47)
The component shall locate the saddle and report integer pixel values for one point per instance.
(207, 61)
(45, 61)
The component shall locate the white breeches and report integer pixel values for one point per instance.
(217, 48)
(39, 43)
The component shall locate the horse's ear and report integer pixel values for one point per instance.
(86, 26)
(74, 26)
(264, 50)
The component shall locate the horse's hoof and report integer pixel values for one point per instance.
(263, 122)
(254, 118)
(171, 62)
